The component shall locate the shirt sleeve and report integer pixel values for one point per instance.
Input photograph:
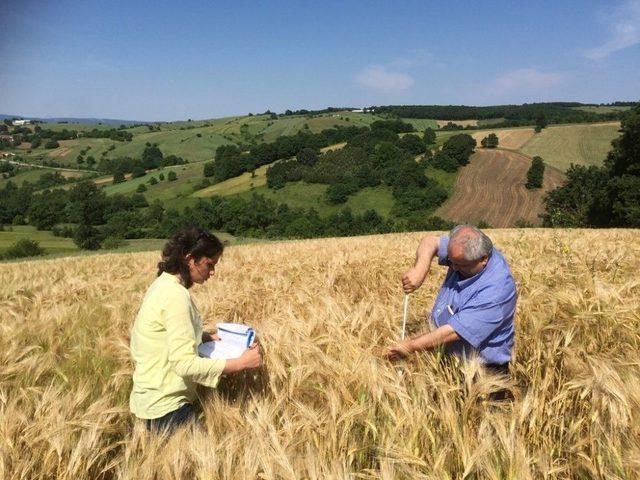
(443, 254)
(182, 344)
(483, 314)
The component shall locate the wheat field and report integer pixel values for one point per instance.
(325, 405)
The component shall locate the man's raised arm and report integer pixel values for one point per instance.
(413, 278)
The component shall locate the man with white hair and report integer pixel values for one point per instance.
(474, 310)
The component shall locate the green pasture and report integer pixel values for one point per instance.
(59, 246)
(581, 144)
(237, 184)
(445, 179)
(421, 124)
(51, 244)
(189, 176)
(602, 108)
(312, 195)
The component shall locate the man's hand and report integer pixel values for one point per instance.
(400, 350)
(413, 278)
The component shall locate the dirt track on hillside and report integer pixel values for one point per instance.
(491, 188)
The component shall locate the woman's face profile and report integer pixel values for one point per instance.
(202, 269)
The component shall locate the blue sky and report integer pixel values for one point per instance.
(177, 60)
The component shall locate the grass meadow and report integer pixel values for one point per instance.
(583, 144)
(325, 405)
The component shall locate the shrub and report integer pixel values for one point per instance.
(172, 176)
(51, 144)
(141, 188)
(23, 248)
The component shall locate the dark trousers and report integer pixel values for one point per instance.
(172, 420)
(499, 369)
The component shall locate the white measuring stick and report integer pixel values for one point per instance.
(404, 316)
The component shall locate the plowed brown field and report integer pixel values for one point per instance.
(512, 139)
(491, 188)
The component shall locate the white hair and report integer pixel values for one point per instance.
(475, 244)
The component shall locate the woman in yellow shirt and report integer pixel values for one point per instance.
(168, 330)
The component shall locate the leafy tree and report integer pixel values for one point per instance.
(209, 169)
(412, 144)
(541, 122)
(151, 157)
(339, 192)
(153, 181)
(87, 237)
(138, 201)
(118, 177)
(87, 204)
(571, 205)
(172, 176)
(161, 177)
(51, 144)
(138, 171)
(47, 209)
(429, 136)
(535, 174)
(307, 156)
(141, 188)
(490, 141)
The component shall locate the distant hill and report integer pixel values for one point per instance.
(77, 120)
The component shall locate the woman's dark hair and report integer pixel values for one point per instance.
(193, 241)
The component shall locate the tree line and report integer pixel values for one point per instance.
(514, 115)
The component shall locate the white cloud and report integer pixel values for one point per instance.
(379, 78)
(414, 58)
(624, 30)
(526, 79)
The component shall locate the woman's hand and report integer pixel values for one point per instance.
(210, 337)
(251, 358)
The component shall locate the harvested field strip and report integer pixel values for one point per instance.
(491, 188)
(512, 138)
(462, 123)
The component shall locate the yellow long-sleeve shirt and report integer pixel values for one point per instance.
(164, 346)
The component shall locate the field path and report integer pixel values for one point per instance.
(491, 188)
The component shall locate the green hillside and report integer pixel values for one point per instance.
(560, 146)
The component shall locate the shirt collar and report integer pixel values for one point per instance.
(170, 277)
